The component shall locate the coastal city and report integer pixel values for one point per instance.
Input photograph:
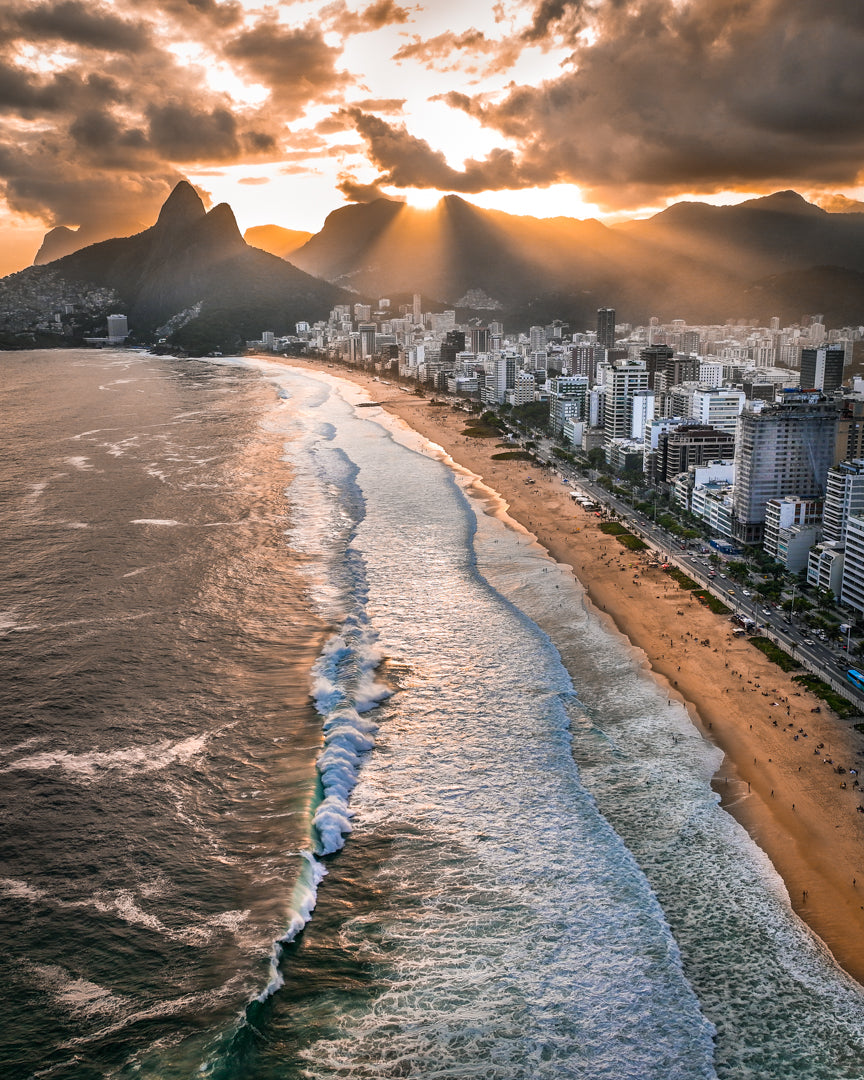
(747, 441)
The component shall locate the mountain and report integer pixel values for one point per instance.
(693, 261)
(532, 268)
(58, 242)
(276, 240)
(192, 268)
(771, 235)
(194, 274)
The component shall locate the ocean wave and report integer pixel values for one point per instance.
(90, 766)
(165, 522)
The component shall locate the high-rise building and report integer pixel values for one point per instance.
(453, 343)
(118, 329)
(717, 407)
(791, 529)
(622, 382)
(822, 367)
(524, 388)
(503, 376)
(536, 338)
(606, 327)
(782, 449)
(690, 444)
(852, 588)
(850, 432)
(479, 339)
(655, 358)
(567, 400)
(417, 309)
(367, 332)
(844, 498)
(583, 360)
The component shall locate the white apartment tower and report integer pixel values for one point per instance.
(718, 407)
(844, 499)
(623, 381)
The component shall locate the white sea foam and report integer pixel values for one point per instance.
(78, 996)
(303, 899)
(91, 766)
(83, 464)
(163, 522)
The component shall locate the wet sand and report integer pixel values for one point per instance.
(778, 776)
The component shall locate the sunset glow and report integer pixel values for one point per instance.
(286, 111)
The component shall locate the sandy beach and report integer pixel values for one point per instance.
(778, 777)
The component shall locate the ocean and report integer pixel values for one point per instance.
(315, 765)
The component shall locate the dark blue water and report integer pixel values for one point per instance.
(222, 586)
(158, 741)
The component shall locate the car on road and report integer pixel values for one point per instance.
(745, 593)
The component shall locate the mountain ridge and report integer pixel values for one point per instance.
(695, 261)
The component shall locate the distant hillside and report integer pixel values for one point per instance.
(832, 291)
(194, 269)
(758, 237)
(693, 261)
(276, 240)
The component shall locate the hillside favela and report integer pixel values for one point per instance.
(432, 603)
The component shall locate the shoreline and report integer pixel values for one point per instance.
(777, 777)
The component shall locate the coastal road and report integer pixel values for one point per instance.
(824, 660)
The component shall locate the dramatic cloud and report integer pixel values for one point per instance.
(382, 13)
(104, 103)
(556, 17)
(408, 162)
(193, 14)
(354, 191)
(664, 96)
(184, 134)
(90, 25)
(295, 63)
(100, 102)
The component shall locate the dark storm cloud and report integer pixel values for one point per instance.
(183, 133)
(664, 97)
(90, 25)
(102, 202)
(27, 94)
(555, 16)
(106, 129)
(295, 63)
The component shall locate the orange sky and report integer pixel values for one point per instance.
(546, 107)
